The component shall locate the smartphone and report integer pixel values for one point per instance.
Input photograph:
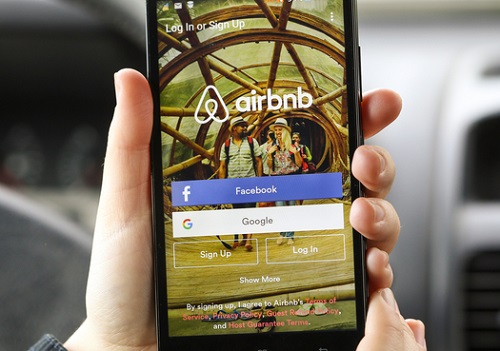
(253, 245)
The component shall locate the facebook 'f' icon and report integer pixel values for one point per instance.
(186, 193)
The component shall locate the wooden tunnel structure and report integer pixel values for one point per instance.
(279, 48)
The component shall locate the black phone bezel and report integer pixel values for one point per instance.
(300, 341)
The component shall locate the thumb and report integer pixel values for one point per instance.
(120, 286)
(129, 134)
(126, 187)
(121, 254)
(386, 329)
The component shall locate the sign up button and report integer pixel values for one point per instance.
(196, 254)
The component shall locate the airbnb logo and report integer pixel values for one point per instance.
(211, 107)
(252, 103)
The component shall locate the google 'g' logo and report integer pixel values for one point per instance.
(187, 224)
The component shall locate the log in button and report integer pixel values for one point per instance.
(307, 249)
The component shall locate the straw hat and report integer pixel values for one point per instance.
(280, 122)
(236, 121)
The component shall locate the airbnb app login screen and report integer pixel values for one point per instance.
(256, 170)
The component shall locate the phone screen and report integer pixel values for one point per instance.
(257, 118)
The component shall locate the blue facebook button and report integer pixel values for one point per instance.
(257, 189)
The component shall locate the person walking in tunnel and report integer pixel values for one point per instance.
(284, 158)
(240, 157)
(307, 165)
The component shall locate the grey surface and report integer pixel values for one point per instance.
(417, 54)
(56, 67)
(43, 272)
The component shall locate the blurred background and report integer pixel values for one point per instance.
(56, 99)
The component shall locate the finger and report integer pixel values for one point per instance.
(374, 167)
(379, 109)
(380, 275)
(418, 329)
(377, 221)
(386, 330)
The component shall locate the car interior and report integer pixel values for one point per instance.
(57, 63)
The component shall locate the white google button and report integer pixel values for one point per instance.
(258, 220)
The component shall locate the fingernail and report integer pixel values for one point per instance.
(381, 158)
(118, 86)
(378, 210)
(386, 258)
(388, 297)
(382, 162)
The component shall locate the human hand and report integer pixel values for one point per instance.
(293, 149)
(120, 310)
(386, 330)
(377, 220)
(272, 150)
(373, 166)
(373, 216)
